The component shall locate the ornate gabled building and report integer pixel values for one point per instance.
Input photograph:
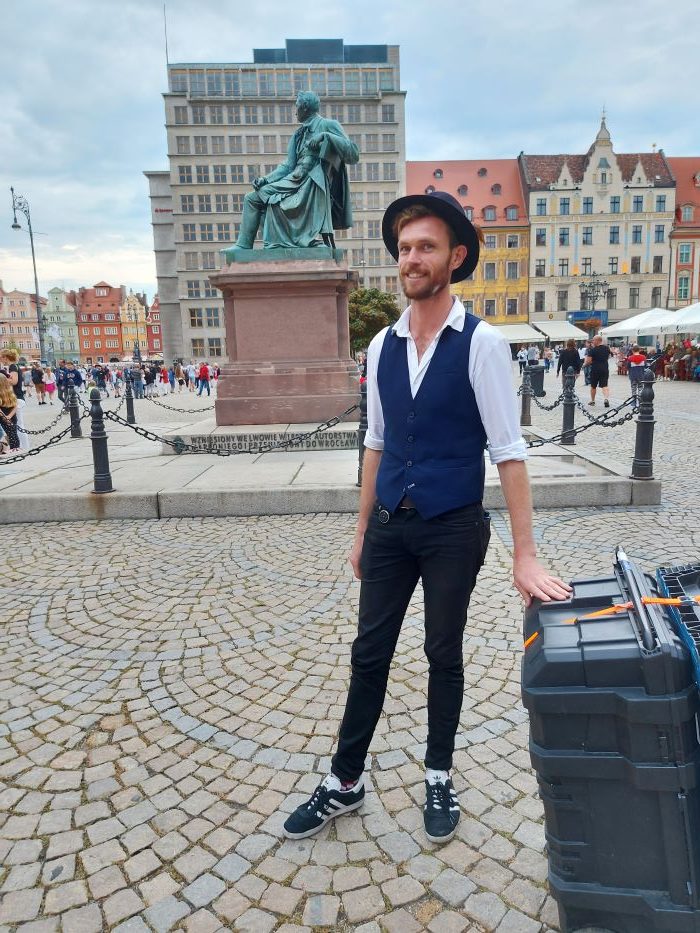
(98, 315)
(61, 327)
(19, 326)
(134, 335)
(603, 212)
(685, 236)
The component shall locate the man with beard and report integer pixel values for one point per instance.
(439, 391)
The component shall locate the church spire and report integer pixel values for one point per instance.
(603, 137)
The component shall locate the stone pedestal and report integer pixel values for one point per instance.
(286, 318)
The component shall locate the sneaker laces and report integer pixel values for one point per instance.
(440, 796)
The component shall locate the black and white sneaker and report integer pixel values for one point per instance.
(326, 802)
(441, 811)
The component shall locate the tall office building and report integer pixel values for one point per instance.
(227, 124)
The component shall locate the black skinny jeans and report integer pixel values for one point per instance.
(446, 553)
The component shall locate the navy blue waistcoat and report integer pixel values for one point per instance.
(433, 443)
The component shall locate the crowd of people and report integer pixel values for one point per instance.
(20, 382)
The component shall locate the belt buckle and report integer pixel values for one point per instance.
(384, 516)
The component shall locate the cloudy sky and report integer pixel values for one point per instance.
(82, 112)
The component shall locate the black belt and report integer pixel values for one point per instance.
(407, 503)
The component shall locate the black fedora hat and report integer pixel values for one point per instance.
(447, 208)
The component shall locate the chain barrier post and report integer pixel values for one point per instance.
(526, 394)
(74, 412)
(569, 407)
(129, 396)
(643, 464)
(98, 436)
(361, 431)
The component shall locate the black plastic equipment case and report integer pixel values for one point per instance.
(614, 741)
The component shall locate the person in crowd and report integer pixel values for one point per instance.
(548, 357)
(597, 358)
(163, 381)
(28, 383)
(179, 376)
(171, 378)
(37, 378)
(150, 381)
(203, 377)
(8, 413)
(118, 382)
(49, 383)
(636, 362)
(191, 376)
(9, 361)
(521, 357)
(137, 376)
(586, 366)
(533, 355)
(569, 356)
(439, 390)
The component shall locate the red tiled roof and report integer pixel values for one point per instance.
(541, 171)
(503, 172)
(686, 169)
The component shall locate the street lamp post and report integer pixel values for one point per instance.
(596, 287)
(21, 204)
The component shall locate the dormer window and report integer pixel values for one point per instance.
(437, 173)
(469, 211)
(101, 292)
(495, 189)
(482, 172)
(512, 213)
(463, 191)
(490, 213)
(430, 189)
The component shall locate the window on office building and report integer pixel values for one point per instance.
(586, 265)
(286, 113)
(357, 200)
(371, 113)
(212, 317)
(223, 232)
(237, 174)
(219, 174)
(373, 229)
(588, 205)
(563, 300)
(252, 144)
(611, 299)
(267, 112)
(634, 296)
(635, 265)
(541, 207)
(214, 344)
(204, 202)
(185, 174)
(182, 145)
(191, 262)
(250, 113)
(540, 236)
(235, 145)
(374, 257)
(656, 296)
(388, 113)
(202, 174)
(199, 114)
(181, 116)
(233, 114)
(389, 171)
(198, 347)
(660, 202)
(587, 236)
(208, 260)
(187, 203)
(564, 205)
(539, 268)
(221, 203)
(193, 288)
(657, 265)
(563, 236)
(196, 317)
(372, 142)
(372, 171)
(218, 145)
(636, 233)
(237, 203)
(209, 289)
(638, 203)
(615, 234)
(659, 233)
(354, 113)
(189, 232)
(539, 302)
(200, 145)
(612, 265)
(206, 232)
(388, 142)
(563, 267)
(615, 204)
(355, 172)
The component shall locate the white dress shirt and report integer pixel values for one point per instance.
(489, 375)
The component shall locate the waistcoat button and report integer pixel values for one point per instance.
(409, 463)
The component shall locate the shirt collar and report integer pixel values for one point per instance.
(455, 320)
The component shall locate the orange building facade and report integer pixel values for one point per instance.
(684, 284)
(99, 322)
(491, 193)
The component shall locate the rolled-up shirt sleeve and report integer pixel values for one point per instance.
(374, 438)
(491, 379)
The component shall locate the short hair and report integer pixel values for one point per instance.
(571, 344)
(309, 100)
(418, 212)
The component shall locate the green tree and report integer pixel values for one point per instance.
(370, 311)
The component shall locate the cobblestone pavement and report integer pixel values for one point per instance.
(170, 690)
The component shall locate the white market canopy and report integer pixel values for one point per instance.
(648, 322)
(561, 330)
(684, 321)
(520, 333)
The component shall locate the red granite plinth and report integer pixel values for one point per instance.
(287, 340)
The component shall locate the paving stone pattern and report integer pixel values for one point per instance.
(170, 690)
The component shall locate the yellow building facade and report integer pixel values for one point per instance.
(498, 289)
(132, 314)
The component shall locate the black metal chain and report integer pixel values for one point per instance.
(601, 421)
(548, 407)
(52, 424)
(183, 411)
(180, 446)
(4, 461)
